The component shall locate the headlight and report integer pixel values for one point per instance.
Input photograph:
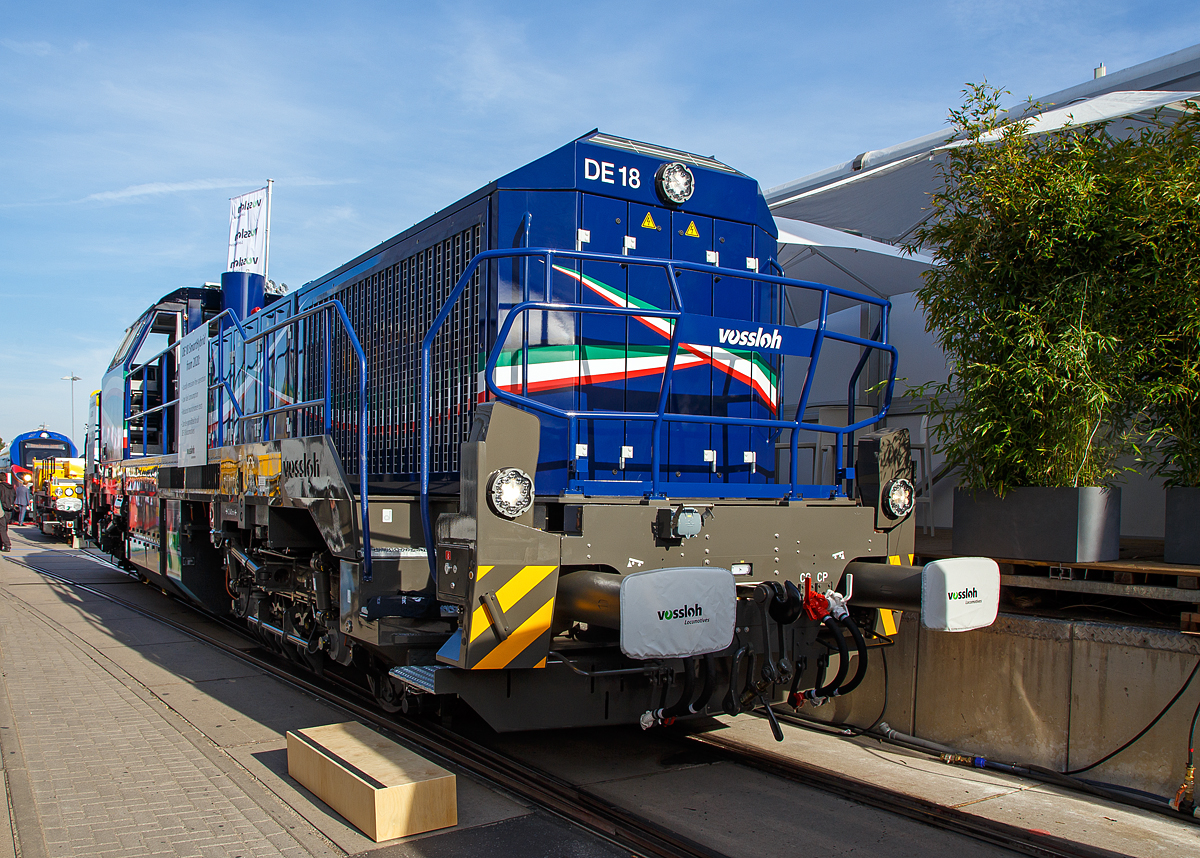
(898, 498)
(674, 183)
(510, 491)
(69, 491)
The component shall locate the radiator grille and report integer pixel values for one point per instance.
(391, 309)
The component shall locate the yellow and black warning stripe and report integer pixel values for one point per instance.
(888, 622)
(520, 636)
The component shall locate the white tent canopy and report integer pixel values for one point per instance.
(884, 193)
(808, 251)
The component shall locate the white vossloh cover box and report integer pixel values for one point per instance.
(673, 613)
(960, 593)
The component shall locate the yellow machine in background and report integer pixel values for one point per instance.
(58, 495)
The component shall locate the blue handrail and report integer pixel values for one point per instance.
(264, 410)
(659, 416)
(144, 366)
(324, 310)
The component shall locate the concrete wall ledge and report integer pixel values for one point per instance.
(1052, 692)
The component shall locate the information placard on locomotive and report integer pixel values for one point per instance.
(193, 398)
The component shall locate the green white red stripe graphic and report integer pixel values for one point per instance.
(557, 366)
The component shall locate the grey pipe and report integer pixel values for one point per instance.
(589, 596)
(881, 585)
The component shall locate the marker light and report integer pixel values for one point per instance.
(510, 491)
(898, 498)
(675, 183)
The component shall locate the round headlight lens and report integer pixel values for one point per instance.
(898, 498)
(675, 183)
(510, 491)
(70, 491)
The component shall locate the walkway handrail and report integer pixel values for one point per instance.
(324, 309)
(131, 372)
(265, 411)
(675, 317)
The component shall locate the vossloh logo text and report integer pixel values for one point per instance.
(751, 339)
(689, 614)
(969, 593)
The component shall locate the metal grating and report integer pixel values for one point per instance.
(391, 309)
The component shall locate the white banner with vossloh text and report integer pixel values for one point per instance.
(248, 233)
(193, 399)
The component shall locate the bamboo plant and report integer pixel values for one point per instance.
(1059, 297)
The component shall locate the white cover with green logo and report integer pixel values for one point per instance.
(672, 613)
(960, 593)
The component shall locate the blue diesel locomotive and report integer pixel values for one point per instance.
(539, 453)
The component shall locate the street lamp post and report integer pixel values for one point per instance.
(72, 378)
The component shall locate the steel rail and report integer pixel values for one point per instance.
(582, 807)
(1015, 838)
(546, 791)
(597, 815)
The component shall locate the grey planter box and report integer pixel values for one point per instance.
(1080, 525)
(1183, 525)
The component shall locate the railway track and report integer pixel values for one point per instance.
(582, 807)
(1012, 837)
(542, 789)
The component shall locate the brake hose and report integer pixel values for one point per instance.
(706, 690)
(861, 643)
(843, 657)
(680, 706)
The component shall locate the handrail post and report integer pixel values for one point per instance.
(162, 416)
(804, 391)
(362, 454)
(265, 394)
(328, 412)
(145, 434)
(664, 390)
(220, 387)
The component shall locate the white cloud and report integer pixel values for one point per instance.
(155, 188)
(29, 49)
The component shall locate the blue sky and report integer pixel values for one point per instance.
(126, 127)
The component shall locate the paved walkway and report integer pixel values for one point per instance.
(114, 770)
(122, 736)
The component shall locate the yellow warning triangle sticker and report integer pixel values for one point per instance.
(648, 222)
(692, 231)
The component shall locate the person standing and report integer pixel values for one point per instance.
(8, 500)
(24, 498)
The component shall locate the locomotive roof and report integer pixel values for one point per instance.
(557, 170)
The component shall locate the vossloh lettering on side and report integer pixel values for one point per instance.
(689, 614)
(750, 339)
(672, 613)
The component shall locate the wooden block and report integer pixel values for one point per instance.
(1188, 582)
(1122, 577)
(383, 789)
